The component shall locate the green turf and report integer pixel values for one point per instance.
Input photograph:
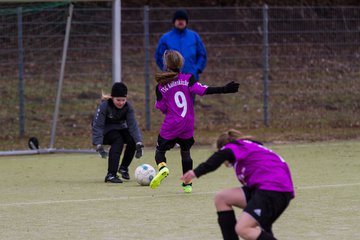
(64, 197)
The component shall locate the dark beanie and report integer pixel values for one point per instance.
(119, 90)
(181, 14)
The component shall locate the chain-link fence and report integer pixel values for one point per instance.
(313, 57)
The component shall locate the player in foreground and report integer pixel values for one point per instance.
(115, 124)
(266, 192)
(174, 99)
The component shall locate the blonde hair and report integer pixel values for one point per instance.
(230, 136)
(173, 62)
(105, 96)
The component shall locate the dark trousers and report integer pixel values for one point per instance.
(164, 145)
(117, 139)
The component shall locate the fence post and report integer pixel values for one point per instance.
(21, 73)
(266, 64)
(116, 41)
(61, 77)
(147, 67)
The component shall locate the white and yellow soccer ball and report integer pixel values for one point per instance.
(144, 174)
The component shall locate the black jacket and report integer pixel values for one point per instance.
(108, 117)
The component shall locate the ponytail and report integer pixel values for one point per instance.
(105, 96)
(165, 77)
(230, 136)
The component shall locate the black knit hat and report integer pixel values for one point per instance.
(119, 90)
(181, 14)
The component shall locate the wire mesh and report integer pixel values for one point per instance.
(313, 55)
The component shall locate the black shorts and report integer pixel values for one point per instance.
(266, 206)
(165, 144)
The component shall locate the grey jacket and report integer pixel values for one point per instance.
(108, 117)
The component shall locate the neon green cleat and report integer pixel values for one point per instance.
(162, 174)
(187, 187)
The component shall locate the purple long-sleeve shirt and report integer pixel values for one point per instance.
(259, 167)
(177, 105)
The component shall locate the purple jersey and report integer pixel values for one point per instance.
(258, 167)
(178, 107)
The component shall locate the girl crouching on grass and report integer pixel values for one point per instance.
(114, 124)
(266, 192)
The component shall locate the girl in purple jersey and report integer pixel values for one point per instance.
(174, 94)
(266, 192)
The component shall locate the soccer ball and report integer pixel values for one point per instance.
(144, 174)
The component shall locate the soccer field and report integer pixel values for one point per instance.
(63, 196)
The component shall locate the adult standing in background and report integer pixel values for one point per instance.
(185, 41)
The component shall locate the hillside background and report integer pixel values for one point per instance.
(314, 76)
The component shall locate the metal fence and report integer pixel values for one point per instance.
(313, 67)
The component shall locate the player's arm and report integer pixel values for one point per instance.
(231, 87)
(200, 89)
(134, 131)
(99, 124)
(213, 163)
(132, 124)
(160, 104)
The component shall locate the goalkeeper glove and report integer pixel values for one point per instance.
(139, 150)
(231, 87)
(101, 151)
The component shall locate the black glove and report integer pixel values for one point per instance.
(231, 87)
(139, 150)
(101, 151)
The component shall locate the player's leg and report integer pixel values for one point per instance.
(187, 164)
(247, 227)
(160, 160)
(128, 154)
(163, 145)
(186, 160)
(224, 202)
(115, 139)
(263, 209)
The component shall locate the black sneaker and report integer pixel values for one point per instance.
(113, 179)
(124, 174)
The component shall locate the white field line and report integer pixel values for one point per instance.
(329, 186)
(102, 199)
(152, 196)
